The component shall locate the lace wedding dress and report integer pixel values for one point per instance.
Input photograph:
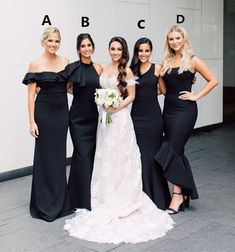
(121, 211)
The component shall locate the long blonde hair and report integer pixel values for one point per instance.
(169, 54)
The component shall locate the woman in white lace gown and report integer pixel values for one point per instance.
(121, 211)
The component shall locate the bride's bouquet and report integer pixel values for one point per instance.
(107, 97)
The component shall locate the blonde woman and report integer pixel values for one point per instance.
(48, 119)
(180, 113)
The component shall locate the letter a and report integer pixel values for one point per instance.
(46, 20)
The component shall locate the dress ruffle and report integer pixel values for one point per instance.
(75, 73)
(44, 77)
(176, 169)
(132, 82)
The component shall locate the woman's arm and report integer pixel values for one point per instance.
(32, 90)
(130, 94)
(161, 87)
(207, 74)
(130, 98)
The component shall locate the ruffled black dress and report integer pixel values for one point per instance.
(179, 119)
(49, 195)
(83, 120)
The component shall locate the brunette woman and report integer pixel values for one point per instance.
(148, 122)
(83, 119)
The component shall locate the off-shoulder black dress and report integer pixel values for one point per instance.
(179, 120)
(83, 120)
(49, 195)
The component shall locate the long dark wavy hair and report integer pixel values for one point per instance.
(81, 37)
(122, 64)
(135, 62)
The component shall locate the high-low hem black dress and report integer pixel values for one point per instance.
(83, 120)
(49, 195)
(148, 124)
(179, 119)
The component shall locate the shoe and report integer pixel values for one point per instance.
(187, 200)
(181, 207)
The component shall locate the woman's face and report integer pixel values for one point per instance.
(175, 41)
(86, 48)
(115, 51)
(52, 43)
(144, 53)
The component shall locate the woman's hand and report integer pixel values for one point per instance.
(111, 110)
(33, 128)
(37, 90)
(186, 95)
(69, 88)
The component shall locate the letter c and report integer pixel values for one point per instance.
(139, 24)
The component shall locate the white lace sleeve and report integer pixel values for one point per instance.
(132, 82)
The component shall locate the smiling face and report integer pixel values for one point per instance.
(175, 41)
(115, 51)
(86, 49)
(144, 52)
(52, 43)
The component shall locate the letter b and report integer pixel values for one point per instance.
(85, 21)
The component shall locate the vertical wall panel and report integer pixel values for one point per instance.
(190, 4)
(193, 24)
(162, 16)
(128, 16)
(229, 43)
(212, 28)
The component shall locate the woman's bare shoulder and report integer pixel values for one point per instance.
(98, 68)
(36, 65)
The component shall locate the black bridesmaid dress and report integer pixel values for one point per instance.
(179, 120)
(49, 195)
(83, 120)
(148, 124)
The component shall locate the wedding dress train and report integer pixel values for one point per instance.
(121, 211)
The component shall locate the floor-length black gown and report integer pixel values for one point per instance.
(179, 120)
(49, 196)
(148, 124)
(83, 119)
